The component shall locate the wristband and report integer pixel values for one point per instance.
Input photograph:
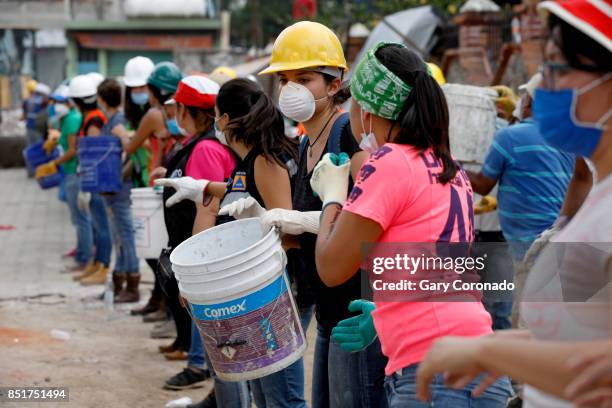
(327, 205)
(206, 199)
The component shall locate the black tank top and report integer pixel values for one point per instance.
(242, 182)
(331, 303)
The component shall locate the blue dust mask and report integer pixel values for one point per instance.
(555, 113)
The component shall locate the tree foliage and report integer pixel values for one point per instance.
(256, 22)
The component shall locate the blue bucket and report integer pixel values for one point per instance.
(34, 156)
(51, 181)
(100, 164)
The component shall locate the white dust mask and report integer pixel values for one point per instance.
(368, 142)
(297, 102)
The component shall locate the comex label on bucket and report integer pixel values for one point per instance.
(226, 311)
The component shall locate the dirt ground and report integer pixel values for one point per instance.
(109, 359)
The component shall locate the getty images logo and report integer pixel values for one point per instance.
(226, 311)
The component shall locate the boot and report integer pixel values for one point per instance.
(153, 304)
(89, 270)
(118, 281)
(159, 315)
(130, 294)
(97, 278)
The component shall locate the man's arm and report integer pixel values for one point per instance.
(481, 183)
(579, 187)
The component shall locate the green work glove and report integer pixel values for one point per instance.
(357, 332)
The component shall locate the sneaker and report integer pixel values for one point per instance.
(186, 379)
(70, 254)
(159, 316)
(208, 402)
(164, 330)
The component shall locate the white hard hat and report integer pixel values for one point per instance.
(137, 71)
(82, 86)
(96, 77)
(61, 93)
(42, 89)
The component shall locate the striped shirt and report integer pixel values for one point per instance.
(532, 178)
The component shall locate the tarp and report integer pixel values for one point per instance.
(413, 27)
(160, 8)
(251, 67)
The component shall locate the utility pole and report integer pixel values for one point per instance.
(256, 31)
(68, 10)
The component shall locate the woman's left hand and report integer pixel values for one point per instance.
(330, 178)
(457, 358)
(186, 188)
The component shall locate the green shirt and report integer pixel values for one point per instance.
(70, 127)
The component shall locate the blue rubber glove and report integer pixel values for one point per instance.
(357, 332)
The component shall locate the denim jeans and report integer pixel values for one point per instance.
(229, 394)
(195, 357)
(401, 392)
(101, 229)
(119, 209)
(285, 388)
(498, 268)
(344, 380)
(80, 219)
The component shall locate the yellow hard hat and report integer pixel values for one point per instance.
(222, 74)
(436, 73)
(306, 44)
(225, 71)
(31, 85)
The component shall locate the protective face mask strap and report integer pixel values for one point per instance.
(363, 123)
(592, 85)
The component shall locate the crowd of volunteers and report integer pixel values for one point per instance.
(375, 169)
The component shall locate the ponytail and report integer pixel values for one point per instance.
(424, 119)
(255, 121)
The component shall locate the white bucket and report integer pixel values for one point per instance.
(472, 117)
(233, 277)
(149, 227)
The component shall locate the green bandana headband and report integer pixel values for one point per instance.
(378, 90)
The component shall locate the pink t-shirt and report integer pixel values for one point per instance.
(398, 189)
(210, 160)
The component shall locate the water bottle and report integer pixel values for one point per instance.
(516, 30)
(109, 294)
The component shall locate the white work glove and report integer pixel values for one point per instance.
(83, 200)
(292, 222)
(244, 208)
(186, 188)
(330, 178)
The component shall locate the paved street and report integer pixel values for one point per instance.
(109, 359)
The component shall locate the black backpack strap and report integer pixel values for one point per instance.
(303, 145)
(335, 134)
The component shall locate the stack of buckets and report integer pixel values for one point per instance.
(233, 277)
(34, 156)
